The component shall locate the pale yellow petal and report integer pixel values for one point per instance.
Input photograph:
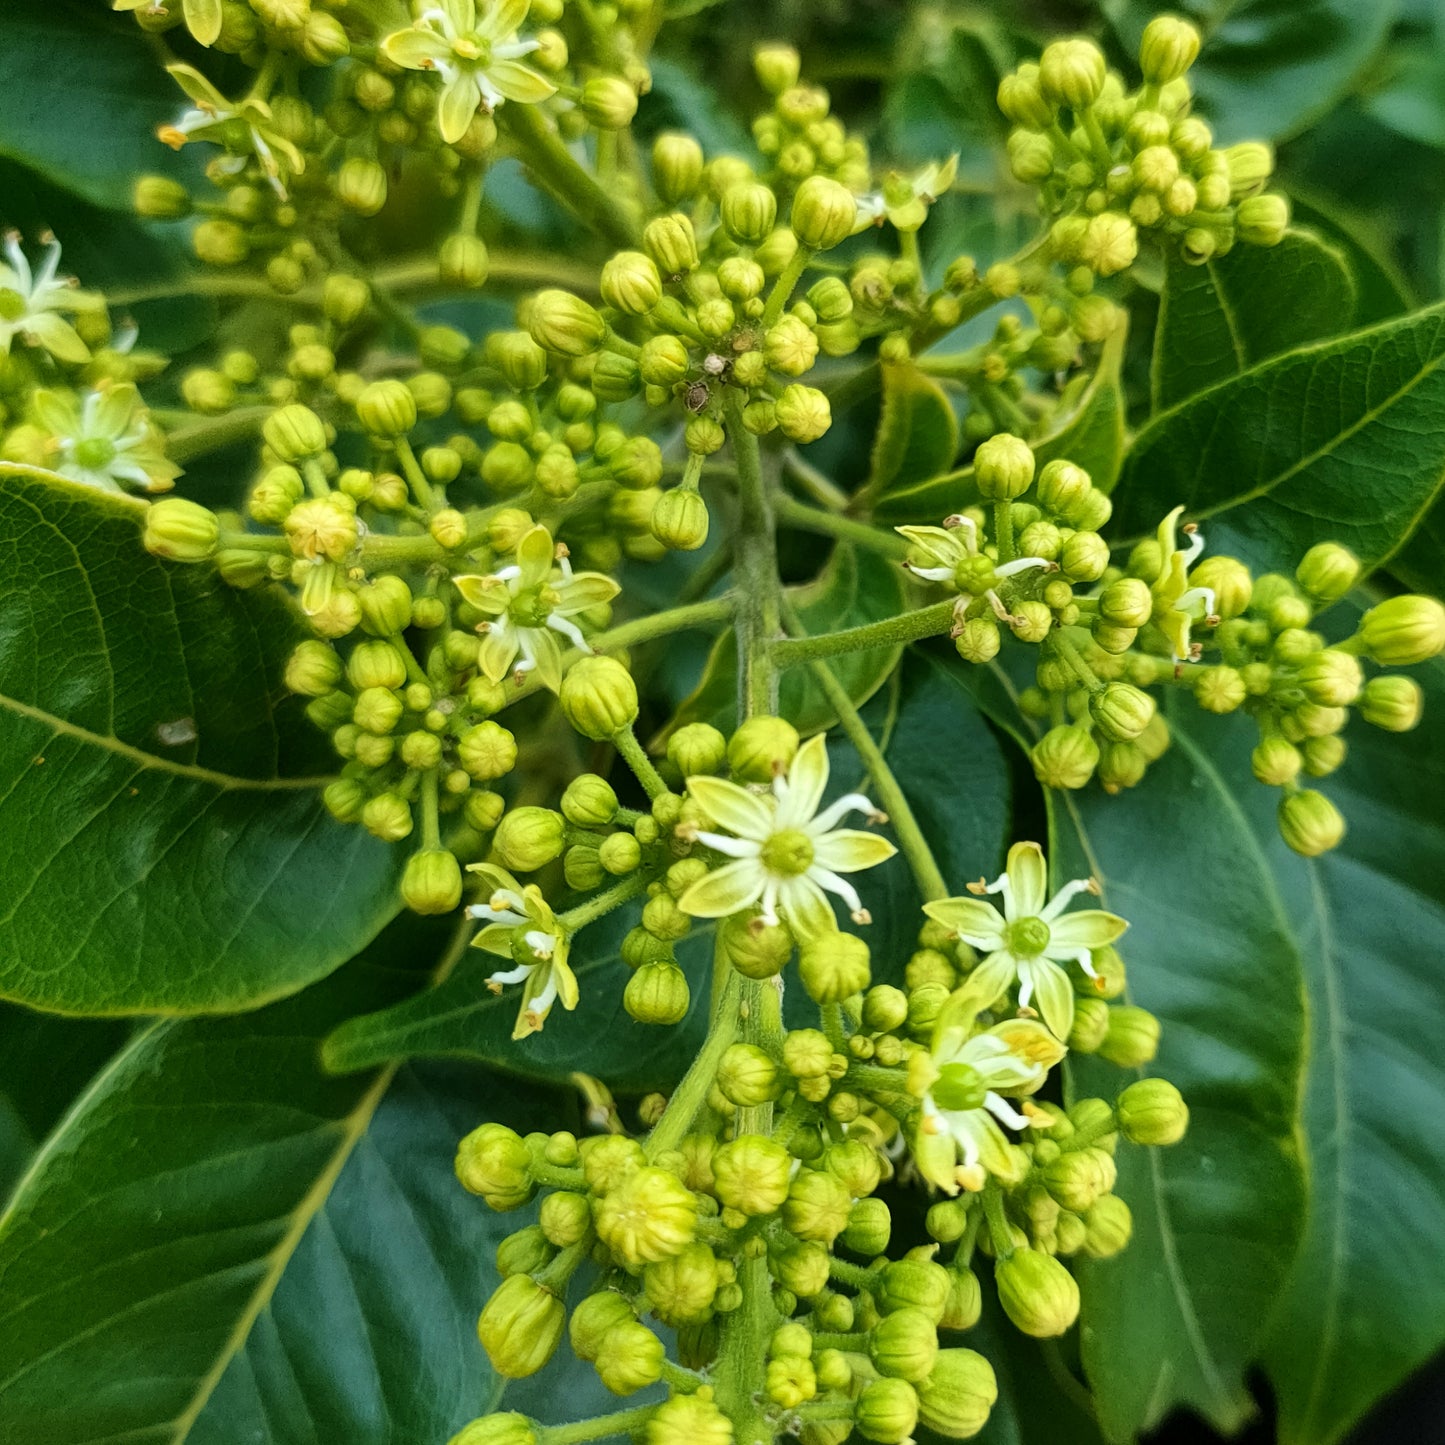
(847, 850)
(497, 654)
(1028, 877)
(1053, 994)
(725, 890)
(733, 808)
(1088, 928)
(460, 98)
(973, 920)
(519, 82)
(535, 554)
(807, 778)
(806, 909)
(415, 49)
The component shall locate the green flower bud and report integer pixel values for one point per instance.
(1392, 703)
(629, 1358)
(1078, 1178)
(1331, 678)
(1037, 1293)
(1310, 823)
(868, 1229)
(377, 710)
(609, 102)
(817, 1206)
(664, 361)
(375, 664)
(679, 520)
(463, 261)
(671, 242)
(294, 433)
(647, 1216)
(565, 1218)
(1327, 571)
(492, 1161)
(564, 323)
(1250, 165)
(526, 1250)
(1063, 489)
(630, 283)
(824, 213)
(904, 1345)
(913, 1284)
(964, 1305)
(594, 1319)
(1022, 101)
(1262, 220)
(1133, 1037)
(1084, 557)
(1110, 244)
(589, 801)
(688, 1420)
(750, 1174)
(220, 243)
(508, 1428)
(344, 799)
(1065, 757)
(955, 1399)
(360, 186)
(1399, 632)
(748, 1077)
(1152, 1112)
(703, 435)
(529, 838)
(756, 949)
(159, 198)
(681, 1290)
(388, 817)
(1003, 467)
(1126, 602)
(1121, 711)
(1230, 582)
(487, 751)
(790, 1381)
(761, 749)
(1168, 48)
(887, 1411)
(697, 748)
(181, 530)
(776, 67)
(599, 697)
(522, 362)
(1072, 73)
(791, 346)
(677, 163)
(802, 1269)
(274, 495)
(1030, 156)
(1107, 1227)
(834, 967)
(803, 413)
(657, 994)
(1276, 762)
(521, 1326)
(313, 669)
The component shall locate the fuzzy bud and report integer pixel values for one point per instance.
(507, 1428)
(677, 164)
(1065, 757)
(887, 1411)
(904, 1345)
(1121, 711)
(594, 1319)
(1037, 1293)
(688, 1420)
(750, 1174)
(1310, 823)
(630, 283)
(761, 749)
(671, 242)
(181, 530)
(1072, 73)
(834, 967)
(748, 1077)
(1133, 1037)
(1003, 467)
(648, 1216)
(803, 413)
(955, 1399)
(294, 433)
(529, 838)
(1152, 1111)
(824, 213)
(1327, 571)
(817, 1206)
(1168, 48)
(492, 1161)
(521, 1326)
(564, 323)
(1392, 703)
(657, 993)
(598, 697)
(1262, 220)
(679, 519)
(1400, 632)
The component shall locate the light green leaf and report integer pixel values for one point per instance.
(1366, 1302)
(855, 587)
(166, 849)
(1267, 69)
(1242, 308)
(1339, 441)
(917, 436)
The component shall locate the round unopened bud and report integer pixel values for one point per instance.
(564, 323)
(629, 1358)
(749, 211)
(1133, 1037)
(681, 1290)
(1084, 557)
(487, 751)
(776, 67)
(761, 749)
(1331, 678)
(159, 198)
(220, 243)
(598, 697)
(1038, 1293)
(432, 882)
(492, 1161)
(748, 1077)
(756, 949)
(1275, 762)
(1168, 48)
(1030, 156)
(594, 1319)
(609, 102)
(887, 1411)
(672, 243)
(589, 801)
(964, 1305)
(1072, 73)
(1121, 711)
(521, 1326)
(1110, 244)
(520, 359)
(1250, 165)
(817, 1206)
(463, 261)
(1152, 1111)
(507, 1428)
(1230, 582)
(1400, 632)
(913, 1284)
(824, 213)
(834, 966)
(360, 186)
(657, 994)
(313, 669)
(647, 1216)
(1065, 757)
(1126, 602)
(1327, 571)
(295, 433)
(181, 530)
(697, 748)
(529, 838)
(904, 1345)
(1063, 489)
(1107, 1227)
(955, 1399)
(679, 519)
(1003, 467)
(1078, 1178)
(751, 1174)
(1021, 99)
(375, 664)
(1392, 703)
(677, 164)
(1310, 823)
(688, 1420)
(803, 413)
(630, 283)
(1262, 220)
(869, 1227)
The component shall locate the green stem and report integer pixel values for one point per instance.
(759, 593)
(794, 513)
(1003, 530)
(416, 479)
(603, 903)
(824, 491)
(923, 622)
(1075, 659)
(215, 432)
(662, 624)
(430, 830)
(998, 1230)
(875, 1079)
(783, 286)
(382, 550)
(853, 1275)
(634, 755)
(623, 1422)
(691, 1094)
(832, 1015)
(680, 1380)
(555, 1276)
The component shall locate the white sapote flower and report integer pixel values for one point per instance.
(904, 199)
(1027, 939)
(962, 1081)
(203, 17)
(1177, 605)
(477, 57)
(943, 548)
(521, 926)
(31, 302)
(786, 853)
(244, 127)
(105, 439)
(529, 603)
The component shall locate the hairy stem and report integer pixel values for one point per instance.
(793, 513)
(928, 621)
(759, 591)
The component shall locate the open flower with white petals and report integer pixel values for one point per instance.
(787, 855)
(477, 56)
(520, 926)
(1027, 940)
(946, 554)
(31, 302)
(529, 604)
(963, 1081)
(244, 127)
(1177, 605)
(105, 439)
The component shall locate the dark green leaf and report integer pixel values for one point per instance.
(1412, 101)
(154, 1225)
(917, 435)
(1338, 441)
(1268, 67)
(854, 588)
(1242, 308)
(166, 848)
(1366, 1302)
(1383, 290)
(1420, 563)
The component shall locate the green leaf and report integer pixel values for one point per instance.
(917, 435)
(103, 136)
(153, 1226)
(1339, 441)
(1417, 563)
(1267, 68)
(166, 847)
(1412, 100)
(1242, 308)
(1365, 1304)
(1383, 290)
(855, 587)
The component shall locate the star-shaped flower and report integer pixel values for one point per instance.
(31, 303)
(105, 439)
(962, 1081)
(203, 17)
(244, 127)
(904, 199)
(1177, 605)
(1027, 939)
(942, 551)
(477, 57)
(521, 926)
(529, 603)
(786, 853)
